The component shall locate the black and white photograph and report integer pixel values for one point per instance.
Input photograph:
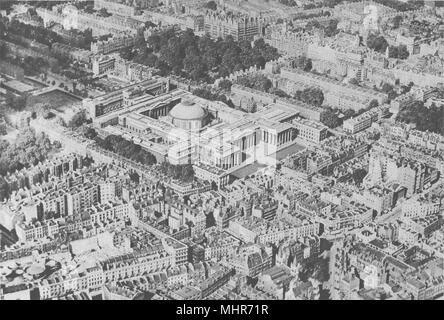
(221, 158)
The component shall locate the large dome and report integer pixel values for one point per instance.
(188, 110)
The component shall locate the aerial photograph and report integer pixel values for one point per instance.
(204, 154)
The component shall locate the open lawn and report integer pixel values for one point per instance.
(58, 99)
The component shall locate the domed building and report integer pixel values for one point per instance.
(189, 115)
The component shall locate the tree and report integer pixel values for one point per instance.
(37, 33)
(187, 173)
(403, 52)
(104, 37)
(257, 81)
(3, 50)
(330, 118)
(104, 13)
(279, 93)
(183, 172)
(42, 110)
(125, 148)
(207, 94)
(321, 272)
(349, 113)
(28, 149)
(399, 52)
(354, 81)
(377, 43)
(89, 133)
(225, 84)
(313, 24)
(331, 3)
(60, 121)
(304, 63)
(192, 57)
(397, 20)
(128, 53)
(425, 118)
(78, 119)
(290, 3)
(317, 269)
(312, 96)
(390, 90)
(4, 189)
(194, 66)
(393, 52)
(17, 103)
(332, 28)
(359, 175)
(386, 87)
(150, 24)
(211, 5)
(84, 39)
(134, 176)
(373, 104)
(89, 9)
